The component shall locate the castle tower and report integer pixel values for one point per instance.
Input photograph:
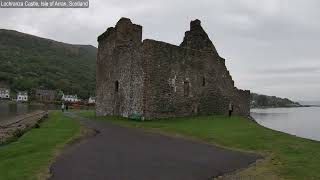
(119, 70)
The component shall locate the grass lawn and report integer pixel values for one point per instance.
(30, 156)
(287, 157)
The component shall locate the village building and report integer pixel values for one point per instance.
(70, 98)
(4, 93)
(92, 100)
(22, 96)
(45, 95)
(155, 79)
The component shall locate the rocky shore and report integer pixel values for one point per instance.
(17, 126)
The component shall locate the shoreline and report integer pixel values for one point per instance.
(275, 107)
(289, 120)
(305, 138)
(263, 108)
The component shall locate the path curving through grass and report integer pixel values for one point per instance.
(286, 156)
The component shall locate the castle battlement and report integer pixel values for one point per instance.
(124, 30)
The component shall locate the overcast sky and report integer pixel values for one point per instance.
(270, 46)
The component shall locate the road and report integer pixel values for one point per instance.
(121, 153)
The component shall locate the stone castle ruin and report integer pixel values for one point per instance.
(155, 79)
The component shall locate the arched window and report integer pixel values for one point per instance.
(116, 86)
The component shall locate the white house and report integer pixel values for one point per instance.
(92, 100)
(4, 93)
(22, 96)
(70, 98)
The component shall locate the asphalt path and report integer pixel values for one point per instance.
(121, 153)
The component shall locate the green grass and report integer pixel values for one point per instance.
(286, 156)
(29, 157)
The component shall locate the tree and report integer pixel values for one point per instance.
(262, 100)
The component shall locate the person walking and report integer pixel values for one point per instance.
(230, 109)
(62, 107)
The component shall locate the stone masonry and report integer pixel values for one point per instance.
(155, 79)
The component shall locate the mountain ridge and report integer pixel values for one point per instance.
(29, 62)
(23, 33)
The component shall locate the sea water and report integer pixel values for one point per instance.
(302, 121)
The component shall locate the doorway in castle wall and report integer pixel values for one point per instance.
(116, 108)
(186, 88)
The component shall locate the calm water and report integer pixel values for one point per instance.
(8, 110)
(302, 122)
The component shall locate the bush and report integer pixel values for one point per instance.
(136, 116)
(37, 125)
(18, 133)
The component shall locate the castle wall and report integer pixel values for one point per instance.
(170, 68)
(157, 80)
(241, 101)
(119, 71)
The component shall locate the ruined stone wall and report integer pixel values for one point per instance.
(169, 69)
(17, 126)
(190, 79)
(241, 101)
(157, 79)
(119, 70)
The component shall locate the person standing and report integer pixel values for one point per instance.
(62, 107)
(230, 109)
(67, 107)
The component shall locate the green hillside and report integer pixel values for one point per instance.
(259, 100)
(28, 62)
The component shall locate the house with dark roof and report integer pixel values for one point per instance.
(45, 95)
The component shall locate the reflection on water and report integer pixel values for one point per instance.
(303, 122)
(9, 109)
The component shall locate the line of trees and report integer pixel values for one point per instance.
(258, 100)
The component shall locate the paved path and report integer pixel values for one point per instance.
(120, 153)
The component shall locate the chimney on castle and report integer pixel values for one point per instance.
(197, 38)
(194, 25)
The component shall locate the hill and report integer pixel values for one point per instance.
(29, 62)
(258, 100)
